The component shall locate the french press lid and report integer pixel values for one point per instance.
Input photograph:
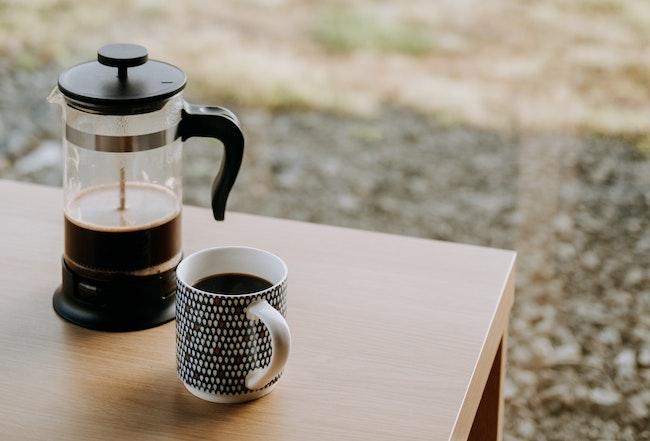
(122, 81)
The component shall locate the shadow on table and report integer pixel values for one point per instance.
(132, 394)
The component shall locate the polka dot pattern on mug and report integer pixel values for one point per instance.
(217, 346)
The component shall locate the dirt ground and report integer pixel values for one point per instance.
(518, 124)
(533, 64)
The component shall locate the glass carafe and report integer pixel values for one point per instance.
(124, 121)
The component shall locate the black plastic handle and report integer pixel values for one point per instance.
(220, 123)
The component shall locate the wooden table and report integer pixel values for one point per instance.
(393, 338)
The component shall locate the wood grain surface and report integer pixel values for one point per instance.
(393, 338)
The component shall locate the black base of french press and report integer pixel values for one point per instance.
(119, 304)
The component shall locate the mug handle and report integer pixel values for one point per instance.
(280, 343)
(222, 124)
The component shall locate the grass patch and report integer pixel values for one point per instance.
(643, 146)
(274, 94)
(615, 121)
(345, 31)
(601, 6)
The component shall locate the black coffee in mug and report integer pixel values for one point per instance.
(232, 284)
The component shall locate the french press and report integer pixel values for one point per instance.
(124, 120)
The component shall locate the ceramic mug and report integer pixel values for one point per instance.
(231, 348)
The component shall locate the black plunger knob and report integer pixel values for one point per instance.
(122, 56)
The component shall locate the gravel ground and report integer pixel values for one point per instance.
(576, 208)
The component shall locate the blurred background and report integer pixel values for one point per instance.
(521, 124)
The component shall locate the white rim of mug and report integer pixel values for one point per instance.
(248, 294)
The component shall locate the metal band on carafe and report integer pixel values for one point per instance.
(121, 144)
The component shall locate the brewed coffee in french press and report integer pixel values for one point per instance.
(124, 120)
